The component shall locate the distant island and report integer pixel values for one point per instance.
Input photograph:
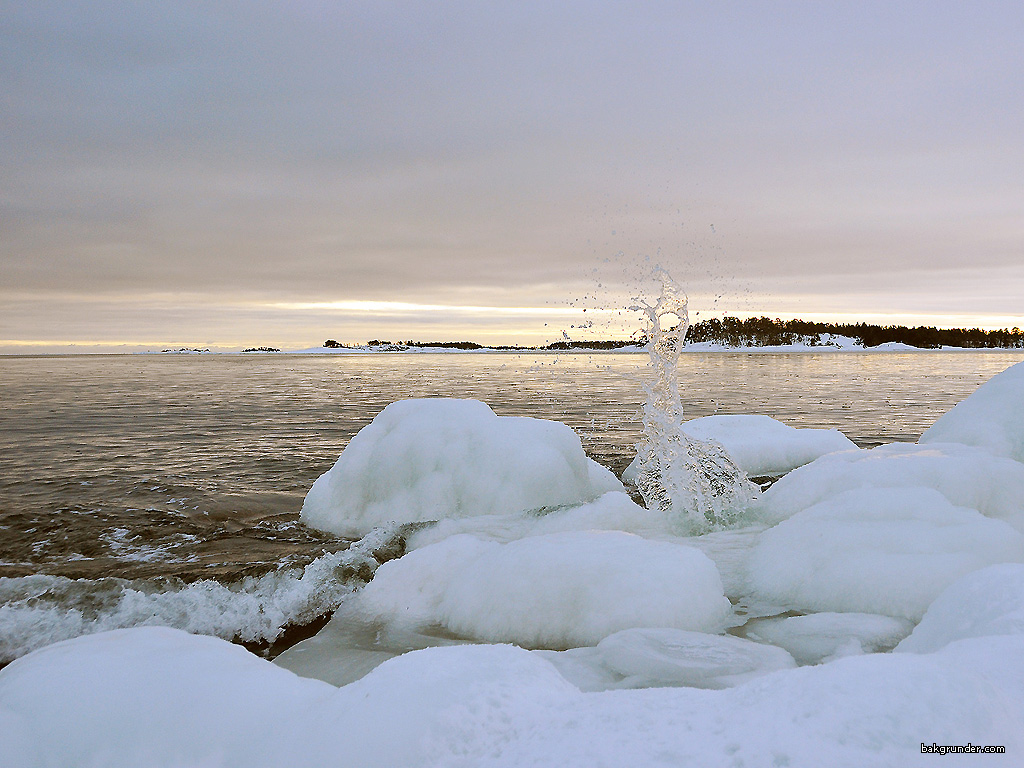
(764, 332)
(731, 332)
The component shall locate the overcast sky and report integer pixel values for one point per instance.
(247, 173)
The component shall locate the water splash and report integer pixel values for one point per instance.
(695, 482)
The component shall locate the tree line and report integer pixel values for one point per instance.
(763, 332)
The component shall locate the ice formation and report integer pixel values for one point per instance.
(695, 482)
(986, 602)
(965, 476)
(820, 637)
(648, 658)
(554, 591)
(991, 418)
(438, 458)
(762, 446)
(876, 550)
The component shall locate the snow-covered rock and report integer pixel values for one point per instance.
(965, 476)
(438, 458)
(986, 602)
(991, 418)
(761, 445)
(555, 591)
(876, 550)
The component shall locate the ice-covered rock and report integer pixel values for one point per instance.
(876, 550)
(763, 446)
(647, 658)
(555, 591)
(965, 476)
(819, 637)
(438, 458)
(983, 603)
(991, 418)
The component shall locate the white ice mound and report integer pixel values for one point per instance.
(437, 458)
(876, 550)
(981, 604)
(556, 591)
(965, 476)
(648, 658)
(761, 445)
(823, 636)
(991, 418)
(148, 696)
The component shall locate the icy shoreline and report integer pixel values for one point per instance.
(867, 603)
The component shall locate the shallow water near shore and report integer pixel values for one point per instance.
(154, 473)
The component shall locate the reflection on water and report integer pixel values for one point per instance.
(140, 466)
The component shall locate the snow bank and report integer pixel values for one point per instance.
(876, 550)
(820, 637)
(984, 603)
(991, 418)
(555, 591)
(965, 476)
(647, 658)
(162, 698)
(432, 459)
(761, 445)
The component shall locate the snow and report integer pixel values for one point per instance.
(647, 658)
(437, 458)
(983, 603)
(819, 637)
(554, 591)
(965, 476)
(763, 446)
(160, 697)
(876, 550)
(992, 417)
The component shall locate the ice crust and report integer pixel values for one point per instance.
(876, 550)
(438, 458)
(558, 590)
(160, 697)
(992, 417)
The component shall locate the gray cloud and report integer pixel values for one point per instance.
(348, 150)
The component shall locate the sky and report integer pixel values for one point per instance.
(233, 174)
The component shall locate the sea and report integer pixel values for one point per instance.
(166, 488)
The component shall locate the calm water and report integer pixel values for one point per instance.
(196, 466)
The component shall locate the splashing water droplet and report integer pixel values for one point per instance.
(695, 482)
